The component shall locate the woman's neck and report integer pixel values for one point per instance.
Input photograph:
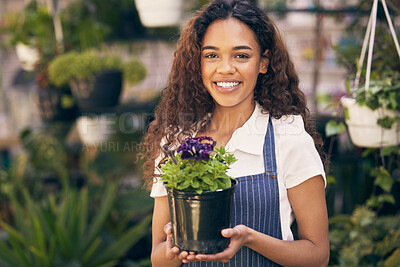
(225, 120)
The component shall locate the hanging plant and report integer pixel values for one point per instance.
(372, 110)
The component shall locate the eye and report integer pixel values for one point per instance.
(210, 55)
(242, 56)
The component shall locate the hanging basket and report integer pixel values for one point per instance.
(159, 13)
(362, 122)
(363, 127)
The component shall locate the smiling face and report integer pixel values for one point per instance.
(230, 63)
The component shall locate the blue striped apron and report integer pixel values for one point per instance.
(256, 205)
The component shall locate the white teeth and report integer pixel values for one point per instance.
(227, 85)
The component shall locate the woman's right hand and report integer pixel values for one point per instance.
(171, 250)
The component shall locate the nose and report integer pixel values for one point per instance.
(225, 66)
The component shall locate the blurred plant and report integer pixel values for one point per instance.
(59, 206)
(365, 239)
(6, 186)
(33, 26)
(73, 66)
(82, 29)
(384, 91)
(61, 231)
(348, 51)
(369, 237)
(40, 168)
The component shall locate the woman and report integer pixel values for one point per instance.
(232, 79)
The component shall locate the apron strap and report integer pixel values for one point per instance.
(269, 148)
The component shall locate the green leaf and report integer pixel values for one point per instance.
(333, 128)
(105, 207)
(369, 151)
(8, 257)
(18, 250)
(377, 201)
(62, 239)
(390, 242)
(386, 151)
(195, 184)
(14, 233)
(67, 101)
(394, 259)
(184, 185)
(119, 247)
(83, 215)
(362, 216)
(387, 122)
(199, 191)
(40, 241)
(347, 85)
(208, 181)
(330, 179)
(214, 186)
(346, 113)
(89, 252)
(383, 179)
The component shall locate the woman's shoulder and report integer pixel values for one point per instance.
(289, 125)
(290, 134)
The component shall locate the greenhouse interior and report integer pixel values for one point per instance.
(71, 165)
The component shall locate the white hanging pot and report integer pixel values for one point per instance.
(363, 128)
(362, 121)
(27, 56)
(159, 13)
(94, 130)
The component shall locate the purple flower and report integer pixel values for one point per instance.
(193, 148)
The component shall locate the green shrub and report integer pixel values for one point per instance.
(365, 239)
(368, 238)
(62, 231)
(73, 66)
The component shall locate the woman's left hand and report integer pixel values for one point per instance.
(238, 238)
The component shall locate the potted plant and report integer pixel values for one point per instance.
(372, 116)
(372, 109)
(53, 103)
(95, 79)
(199, 194)
(30, 32)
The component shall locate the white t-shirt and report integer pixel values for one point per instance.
(296, 157)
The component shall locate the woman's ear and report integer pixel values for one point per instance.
(264, 62)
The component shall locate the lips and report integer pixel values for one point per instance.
(227, 86)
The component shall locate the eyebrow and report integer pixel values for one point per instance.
(235, 48)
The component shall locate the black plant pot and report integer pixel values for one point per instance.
(55, 104)
(197, 219)
(99, 91)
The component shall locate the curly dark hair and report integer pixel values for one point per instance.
(185, 101)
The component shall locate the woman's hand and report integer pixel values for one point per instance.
(238, 238)
(171, 250)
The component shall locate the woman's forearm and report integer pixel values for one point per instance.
(159, 259)
(288, 253)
